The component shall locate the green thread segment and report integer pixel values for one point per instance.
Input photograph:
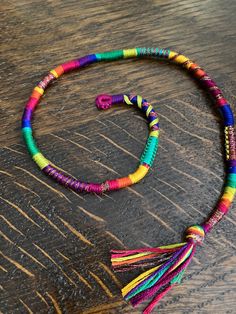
(110, 55)
(30, 142)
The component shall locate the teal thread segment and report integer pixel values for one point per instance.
(177, 279)
(150, 151)
(139, 51)
(110, 55)
(155, 52)
(30, 142)
(231, 180)
(149, 283)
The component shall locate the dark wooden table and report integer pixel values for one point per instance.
(55, 243)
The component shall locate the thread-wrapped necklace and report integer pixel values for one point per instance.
(167, 263)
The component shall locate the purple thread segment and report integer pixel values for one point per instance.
(117, 99)
(208, 83)
(87, 60)
(71, 182)
(26, 118)
(215, 92)
(105, 101)
(176, 254)
(231, 163)
(27, 115)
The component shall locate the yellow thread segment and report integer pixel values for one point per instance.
(39, 90)
(138, 174)
(120, 259)
(153, 122)
(172, 246)
(129, 53)
(54, 73)
(181, 59)
(184, 257)
(154, 133)
(141, 277)
(188, 64)
(148, 110)
(172, 54)
(127, 101)
(40, 160)
(229, 193)
(227, 142)
(139, 101)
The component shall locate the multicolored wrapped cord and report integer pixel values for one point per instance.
(168, 263)
(102, 102)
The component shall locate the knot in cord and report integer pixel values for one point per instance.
(195, 234)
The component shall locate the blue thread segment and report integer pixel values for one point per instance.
(87, 60)
(227, 115)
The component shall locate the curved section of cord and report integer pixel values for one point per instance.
(168, 263)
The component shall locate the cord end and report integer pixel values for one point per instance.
(103, 101)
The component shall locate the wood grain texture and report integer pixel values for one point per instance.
(55, 243)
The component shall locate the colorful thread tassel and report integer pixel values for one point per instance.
(168, 266)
